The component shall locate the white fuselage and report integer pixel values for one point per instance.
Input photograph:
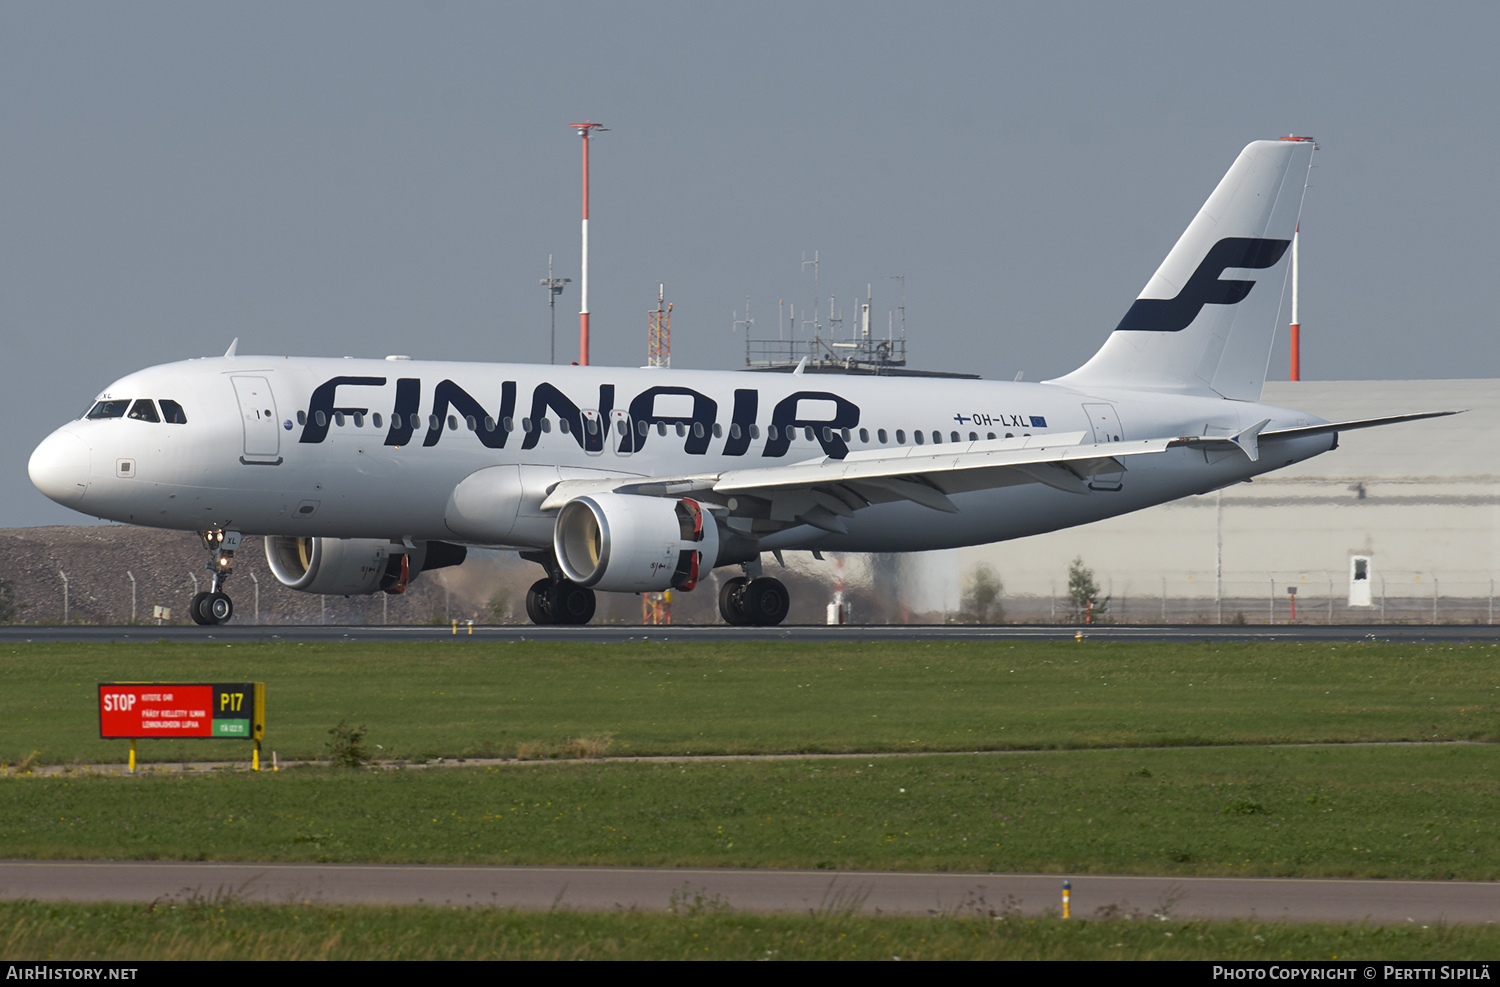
(252, 455)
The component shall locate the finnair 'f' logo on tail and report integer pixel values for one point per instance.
(1205, 286)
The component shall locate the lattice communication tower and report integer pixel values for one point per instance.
(659, 333)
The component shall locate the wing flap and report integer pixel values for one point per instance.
(822, 492)
(912, 490)
(927, 475)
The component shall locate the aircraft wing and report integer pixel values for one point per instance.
(821, 492)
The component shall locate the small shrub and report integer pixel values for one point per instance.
(344, 749)
(1083, 594)
(982, 596)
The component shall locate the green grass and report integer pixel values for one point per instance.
(1236, 808)
(472, 699)
(206, 929)
(1366, 811)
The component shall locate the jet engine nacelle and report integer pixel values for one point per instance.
(354, 566)
(633, 544)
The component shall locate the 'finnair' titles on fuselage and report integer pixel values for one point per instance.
(377, 448)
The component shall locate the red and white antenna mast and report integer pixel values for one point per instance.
(1296, 334)
(1296, 370)
(583, 280)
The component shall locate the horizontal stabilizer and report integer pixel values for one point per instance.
(1248, 440)
(1292, 433)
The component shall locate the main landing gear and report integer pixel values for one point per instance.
(215, 606)
(753, 600)
(557, 599)
(750, 600)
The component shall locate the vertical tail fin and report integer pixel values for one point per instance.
(1206, 320)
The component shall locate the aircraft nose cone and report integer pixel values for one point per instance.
(60, 467)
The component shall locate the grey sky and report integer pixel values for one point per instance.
(371, 178)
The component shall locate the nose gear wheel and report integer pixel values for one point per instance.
(215, 606)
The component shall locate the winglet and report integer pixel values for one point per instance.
(232, 347)
(1248, 439)
(801, 367)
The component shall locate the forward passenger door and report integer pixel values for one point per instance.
(258, 416)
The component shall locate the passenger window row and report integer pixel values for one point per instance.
(643, 428)
(141, 410)
(144, 409)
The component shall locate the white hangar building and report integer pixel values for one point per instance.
(1399, 523)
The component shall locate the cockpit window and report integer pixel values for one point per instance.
(109, 409)
(172, 413)
(144, 410)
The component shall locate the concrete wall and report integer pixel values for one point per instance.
(1422, 500)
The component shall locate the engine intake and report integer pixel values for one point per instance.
(633, 544)
(354, 566)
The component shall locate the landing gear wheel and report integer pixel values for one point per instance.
(538, 605)
(213, 607)
(732, 601)
(766, 602)
(571, 603)
(219, 607)
(198, 609)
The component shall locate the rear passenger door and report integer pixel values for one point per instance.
(1106, 426)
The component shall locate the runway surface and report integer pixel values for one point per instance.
(652, 889)
(614, 634)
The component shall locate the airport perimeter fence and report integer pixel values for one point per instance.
(1264, 599)
(1255, 598)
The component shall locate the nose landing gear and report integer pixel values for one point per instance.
(215, 607)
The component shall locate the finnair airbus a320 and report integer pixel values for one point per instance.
(361, 474)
